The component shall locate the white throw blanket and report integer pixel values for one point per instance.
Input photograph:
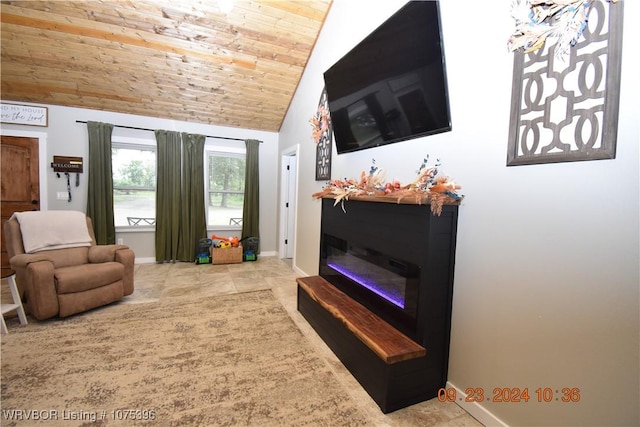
(48, 230)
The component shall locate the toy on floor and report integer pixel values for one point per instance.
(250, 248)
(203, 255)
(224, 242)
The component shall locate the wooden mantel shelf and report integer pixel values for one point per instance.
(407, 199)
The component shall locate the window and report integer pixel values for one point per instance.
(134, 184)
(225, 188)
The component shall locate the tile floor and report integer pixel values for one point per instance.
(162, 281)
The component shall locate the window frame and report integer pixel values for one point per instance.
(236, 152)
(151, 145)
(120, 142)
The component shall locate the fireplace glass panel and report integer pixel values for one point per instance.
(391, 280)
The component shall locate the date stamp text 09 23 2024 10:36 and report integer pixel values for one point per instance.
(511, 395)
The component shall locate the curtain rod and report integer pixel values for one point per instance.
(152, 130)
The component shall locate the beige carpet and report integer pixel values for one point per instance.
(225, 360)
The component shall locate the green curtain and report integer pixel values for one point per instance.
(167, 195)
(251, 208)
(100, 183)
(193, 220)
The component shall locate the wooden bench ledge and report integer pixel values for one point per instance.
(384, 340)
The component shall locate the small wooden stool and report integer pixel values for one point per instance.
(17, 304)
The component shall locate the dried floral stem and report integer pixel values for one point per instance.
(428, 187)
(538, 20)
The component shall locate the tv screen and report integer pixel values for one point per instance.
(392, 86)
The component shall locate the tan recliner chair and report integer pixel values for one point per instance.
(62, 282)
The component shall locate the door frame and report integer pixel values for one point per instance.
(293, 151)
(42, 160)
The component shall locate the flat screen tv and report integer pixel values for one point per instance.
(392, 86)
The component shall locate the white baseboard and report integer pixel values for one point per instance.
(299, 272)
(476, 410)
(150, 260)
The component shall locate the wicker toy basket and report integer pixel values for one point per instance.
(226, 255)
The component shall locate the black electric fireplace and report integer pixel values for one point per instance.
(387, 285)
(382, 299)
(398, 261)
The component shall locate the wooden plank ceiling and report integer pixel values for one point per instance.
(175, 59)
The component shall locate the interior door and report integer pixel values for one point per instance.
(19, 182)
(290, 206)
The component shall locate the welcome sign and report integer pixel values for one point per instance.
(24, 114)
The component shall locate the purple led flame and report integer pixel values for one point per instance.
(393, 297)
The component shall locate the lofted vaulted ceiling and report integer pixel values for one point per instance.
(176, 59)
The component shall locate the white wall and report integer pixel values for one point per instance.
(65, 137)
(547, 271)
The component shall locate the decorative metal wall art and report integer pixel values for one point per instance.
(564, 107)
(322, 136)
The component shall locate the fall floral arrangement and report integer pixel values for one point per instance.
(428, 187)
(536, 20)
(320, 123)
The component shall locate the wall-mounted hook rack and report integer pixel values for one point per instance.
(67, 165)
